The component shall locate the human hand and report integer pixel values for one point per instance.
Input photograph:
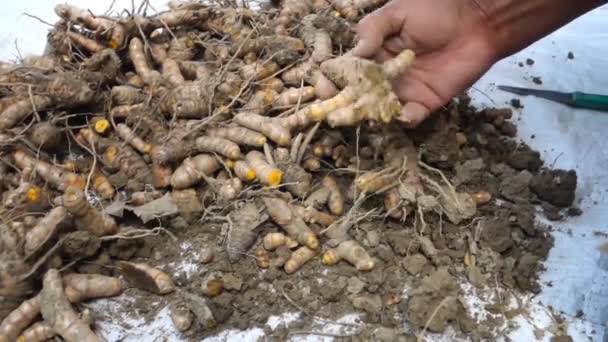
(452, 42)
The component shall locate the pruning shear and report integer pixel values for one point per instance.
(576, 99)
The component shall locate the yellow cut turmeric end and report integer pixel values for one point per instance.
(262, 141)
(251, 175)
(274, 178)
(318, 151)
(312, 242)
(147, 148)
(330, 258)
(33, 194)
(189, 43)
(21, 338)
(229, 163)
(113, 44)
(102, 126)
(111, 152)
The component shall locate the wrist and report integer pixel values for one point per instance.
(513, 25)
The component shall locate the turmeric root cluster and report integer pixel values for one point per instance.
(258, 117)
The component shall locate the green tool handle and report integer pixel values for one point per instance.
(590, 101)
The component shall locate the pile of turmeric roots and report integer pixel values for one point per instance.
(212, 112)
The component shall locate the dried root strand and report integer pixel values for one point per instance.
(58, 313)
(298, 258)
(296, 228)
(352, 252)
(265, 173)
(87, 217)
(146, 277)
(193, 170)
(218, 145)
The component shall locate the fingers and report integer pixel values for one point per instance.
(375, 27)
(413, 113)
(394, 44)
(383, 55)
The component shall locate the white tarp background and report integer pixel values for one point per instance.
(570, 139)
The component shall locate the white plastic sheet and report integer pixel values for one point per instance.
(567, 138)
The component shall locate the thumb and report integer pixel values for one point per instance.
(413, 113)
(376, 27)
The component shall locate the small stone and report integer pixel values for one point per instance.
(537, 80)
(529, 61)
(232, 282)
(570, 55)
(373, 238)
(509, 129)
(414, 264)
(481, 139)
(354, 285)
(561, 339)
(370, 303)
(384, 334)
(384, 253)
(206, 255)
(401, 242)
(574, 211)
(516, 188)
(516, 103)
(461, 139)
(475, 276)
